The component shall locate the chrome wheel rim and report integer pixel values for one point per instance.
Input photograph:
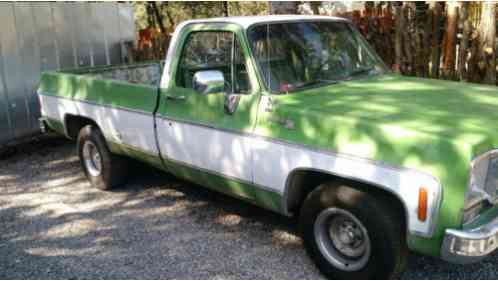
(342, 239)
(92, 159)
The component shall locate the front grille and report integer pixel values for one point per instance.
(491, 183)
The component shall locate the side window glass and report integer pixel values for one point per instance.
(210, 50)
(241, 77)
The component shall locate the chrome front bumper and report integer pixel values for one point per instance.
(470, 245)
(43, 125)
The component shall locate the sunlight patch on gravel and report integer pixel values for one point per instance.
(54, 225)
(73, 228)
(61, 181)
(177, 209)
(56, 252)
(286, 239)
(228, 219)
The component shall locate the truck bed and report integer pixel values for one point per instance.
(114, 97)
(145, 73)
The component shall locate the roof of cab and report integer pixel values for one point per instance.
(246, 21)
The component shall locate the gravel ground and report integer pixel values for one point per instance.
(54, 226)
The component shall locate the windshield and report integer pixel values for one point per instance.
(302, 54)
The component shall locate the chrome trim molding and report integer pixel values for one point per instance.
(214, 173)
(181, 163)
(473, 185)
(43, 125)
(127, 146)
(99, 104)
(479, 192)
(470, 245)
(356, 179)
(277, 183)
(434, 207)
(280, 141)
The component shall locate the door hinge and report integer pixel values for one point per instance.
(286, 123)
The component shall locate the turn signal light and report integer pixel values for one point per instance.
(422, 204)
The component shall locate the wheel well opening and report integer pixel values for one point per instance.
(302, 182)
(74, 124)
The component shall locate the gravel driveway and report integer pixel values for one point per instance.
(54, 226)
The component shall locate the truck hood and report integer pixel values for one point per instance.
(429, 125)
(462, 113)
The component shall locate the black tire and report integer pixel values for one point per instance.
(382, 222)
(113, 168)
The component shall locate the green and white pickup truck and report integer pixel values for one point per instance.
(298, 115)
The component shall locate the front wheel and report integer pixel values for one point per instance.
(351, 234)
(103, 169)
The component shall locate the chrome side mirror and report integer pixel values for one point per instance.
(208, 82)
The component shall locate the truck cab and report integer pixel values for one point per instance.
(298, 115)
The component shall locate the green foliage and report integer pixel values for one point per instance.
(140, 13)
(174, 13)
(237, 8)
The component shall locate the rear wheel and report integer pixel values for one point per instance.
(351, 234)
(103, 169)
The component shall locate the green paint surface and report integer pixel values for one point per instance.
(56, 125)
(486, 217)
(245, 191)
(208, 109)
(429, 125)
(129, 151)
(100, 91)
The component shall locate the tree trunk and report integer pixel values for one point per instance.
(158, 16)
(283, 7)
(225, 8)
(420, 47)
(171, 27)
(427, 40)
(487, 37)
(399, 26)
(315, 7)
(408, 39)
(150, 15)
(451, 39)
(436, 39)
(464, 42)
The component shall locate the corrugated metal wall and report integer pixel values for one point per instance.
(42, 36)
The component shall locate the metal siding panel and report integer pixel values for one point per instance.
(13, 76)
(113, 36)
(83, 46)
(64, 33)
(127, 27)
(98, 33)
(6, 133)
(30, 58)
(46, 36)
(47, 54)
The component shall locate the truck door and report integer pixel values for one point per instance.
(203, 125)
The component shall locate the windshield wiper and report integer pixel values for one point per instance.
(315, 82)
(361, 70)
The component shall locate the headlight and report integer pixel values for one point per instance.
(483, 185)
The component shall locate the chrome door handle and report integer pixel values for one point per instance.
(178, 98)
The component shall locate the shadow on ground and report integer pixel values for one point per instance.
(54, 226)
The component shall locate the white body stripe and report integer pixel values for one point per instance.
(269, 163)
(274, 162)
(120, 126)
(222, 152)
(262, 161)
